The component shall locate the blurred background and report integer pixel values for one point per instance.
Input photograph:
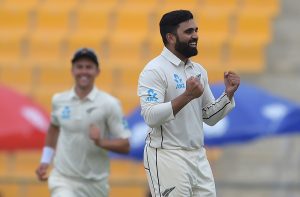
(259, 39)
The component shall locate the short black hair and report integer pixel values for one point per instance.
(171, 20)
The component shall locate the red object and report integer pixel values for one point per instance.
(23, 123)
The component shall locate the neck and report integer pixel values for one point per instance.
(82, 92)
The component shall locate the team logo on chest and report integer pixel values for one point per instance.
(66, 113)
(179, 82)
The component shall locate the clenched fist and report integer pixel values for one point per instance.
(194, 87)
(94, 134)
(232, 82)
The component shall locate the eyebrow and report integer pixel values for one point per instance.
(191, 29)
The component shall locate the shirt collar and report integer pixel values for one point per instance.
(91, 96)
(173, 58)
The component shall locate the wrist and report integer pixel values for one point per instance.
(188, 97)
(47, 155)
(229, 95)
(98, 142)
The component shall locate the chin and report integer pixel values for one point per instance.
(192, 55)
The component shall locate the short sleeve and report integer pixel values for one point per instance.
(54, 115)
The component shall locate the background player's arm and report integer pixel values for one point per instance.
(51, 141)
(117, 130)
(119, 145)
(52, 136)
(115, 145)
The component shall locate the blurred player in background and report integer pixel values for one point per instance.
(86, 123)
(176, 99)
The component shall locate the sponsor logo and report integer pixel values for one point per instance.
(66, 113)
(179, 82)
(152, 96)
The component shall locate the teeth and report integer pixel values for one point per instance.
(193, 44)
(83, 78)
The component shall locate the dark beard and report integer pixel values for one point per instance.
(184, 48)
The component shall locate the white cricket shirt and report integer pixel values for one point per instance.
(162, 80)
(76, 154)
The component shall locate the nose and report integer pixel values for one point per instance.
(195, 35)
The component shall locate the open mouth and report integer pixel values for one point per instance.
(84, 79)
(193, 44)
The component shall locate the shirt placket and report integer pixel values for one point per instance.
(77, 110)
(189, 71)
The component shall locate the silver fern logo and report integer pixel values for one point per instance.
(179, 82)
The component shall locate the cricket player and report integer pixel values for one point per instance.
(176, 99)
(85, 124)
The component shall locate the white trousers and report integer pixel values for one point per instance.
(178, 173)
(62, 186)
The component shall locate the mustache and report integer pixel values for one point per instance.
(193, 40)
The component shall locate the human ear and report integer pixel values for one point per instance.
(171, 38)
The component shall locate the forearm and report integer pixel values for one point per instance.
(50, 144)
(229, 94)
(115, 145)
(215, 111)
(52, 136)
(179, 102)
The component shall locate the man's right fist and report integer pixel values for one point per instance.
(194, 87)
(94, 134)
(41, 171)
